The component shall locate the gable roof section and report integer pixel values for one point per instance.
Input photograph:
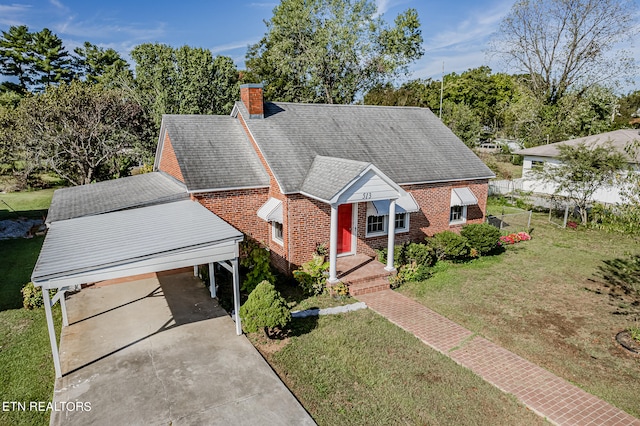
(329, 175)
(213, 152)
(619, 140)
(114, 195)
(407, 144)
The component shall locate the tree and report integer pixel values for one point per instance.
(51, 61)
(183, 81)
(94, 64)
(16, 56)
(560, 44)
(75, 129)
(331, 50)
(36, 59)
(583, 169)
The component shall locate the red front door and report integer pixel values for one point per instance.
(345, 217)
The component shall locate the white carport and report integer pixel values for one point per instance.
(131, 242)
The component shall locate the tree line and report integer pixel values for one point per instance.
(89, 115)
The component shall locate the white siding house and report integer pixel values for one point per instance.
(546, 156)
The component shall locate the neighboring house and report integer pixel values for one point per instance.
(295, 176)
(546, 155)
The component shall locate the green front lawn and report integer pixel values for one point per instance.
(358, 368)
(544, 300)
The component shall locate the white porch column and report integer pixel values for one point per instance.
(63, 307)
(236, 295)
(333, 245)
(52, 332)
(212, 280)
(195, 270)
(392, 236)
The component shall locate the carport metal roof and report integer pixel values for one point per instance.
(131, 242)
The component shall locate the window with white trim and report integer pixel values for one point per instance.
(276, 234)
(379, 225)
(457, 215)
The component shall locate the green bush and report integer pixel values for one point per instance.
(32, 296)
(482, 237)
(264, 309)
(258, 260)
(409, 273)
(421, 254)
(449, 246)
(312, 275)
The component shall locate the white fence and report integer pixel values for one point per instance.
(504, 187)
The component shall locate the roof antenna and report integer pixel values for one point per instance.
(441, 90)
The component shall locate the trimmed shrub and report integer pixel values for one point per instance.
(264, 309)
(450, 246)
(421, 254)
(312, 275)
(482, 237)
(31, 296)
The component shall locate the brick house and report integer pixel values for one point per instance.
(293, 176)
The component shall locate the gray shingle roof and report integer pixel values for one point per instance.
(214, 152)
(328, 175)
(410, 145)
(619, 140)
(119, 194)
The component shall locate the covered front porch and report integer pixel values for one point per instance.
(363, 274)
(344, 184)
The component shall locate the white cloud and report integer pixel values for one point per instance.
(12, 14)
(232, 46)
(58, 4)
(269, 5)
(92, 30)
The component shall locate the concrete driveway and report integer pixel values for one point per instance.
(160, 351)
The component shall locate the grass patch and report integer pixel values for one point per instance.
(25, 204)
(26, 364)
(543, 299)
(17, 259)
(358, 368)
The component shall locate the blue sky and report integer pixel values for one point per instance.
(455, 32)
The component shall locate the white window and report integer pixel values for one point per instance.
(379, 225)
(537, 165)
(375, 224)
(458, 215)
(277, 232)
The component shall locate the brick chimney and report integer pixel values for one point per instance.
(251, 96)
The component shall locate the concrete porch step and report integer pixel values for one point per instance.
(370, 286)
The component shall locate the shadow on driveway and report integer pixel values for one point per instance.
(160, 351)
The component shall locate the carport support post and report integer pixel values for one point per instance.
(63, 306)
(52, 332)
(212, 280)
(236, 295)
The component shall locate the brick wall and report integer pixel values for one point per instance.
(238, 208)
(435, 205)
(169, 161)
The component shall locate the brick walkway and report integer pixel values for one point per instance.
(548, 395)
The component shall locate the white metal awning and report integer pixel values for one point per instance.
(271, 211)
(462, 197)
(405, 204)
